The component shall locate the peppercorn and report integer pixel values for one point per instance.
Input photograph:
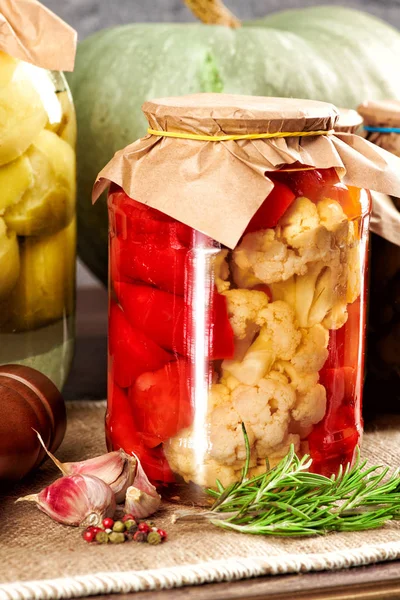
(88, 535)
(131, 526)
(154, 538)
(140, 536)
(108, 523)
(145, 527)
(128, 517)
(102, 537)
(119, 526)
(116, 537)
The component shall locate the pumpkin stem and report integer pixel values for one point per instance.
(213, 12)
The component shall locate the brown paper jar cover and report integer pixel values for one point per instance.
(29, 401)
(33, 33)
(217, 187)
(385, 217)
(349, 121)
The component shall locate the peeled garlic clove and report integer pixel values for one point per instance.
(75, 500)
(115, 468)
(142, 499)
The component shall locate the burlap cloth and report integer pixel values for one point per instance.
(41, 559)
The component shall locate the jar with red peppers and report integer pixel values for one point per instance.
(238, 253)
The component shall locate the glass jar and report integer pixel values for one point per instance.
(270, 333)
(37, 222)
(382, 121)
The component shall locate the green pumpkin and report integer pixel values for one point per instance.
(324, 53)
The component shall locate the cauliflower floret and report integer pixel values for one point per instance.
(300, 229)
(265, 410)
(312, 351)
(201, 470)
(226, 436)
(261, 258)
(305, 234)
(330, 213)
(280, 452)
(277, 340)
(229, 381)
(221, 271)
(243, 309)
(301, 216)
(219, 394)
(310, 405)
(256, 363)
(319, 296)
(279, 324)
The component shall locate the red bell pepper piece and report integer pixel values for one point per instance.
(345, 343)
(332, 441)
(310, 183)
(161, 402)
(272, 209)
(162, 317)
(158, 314)
(131, 219)
(122, 433)
(151, 260)
(131, 351)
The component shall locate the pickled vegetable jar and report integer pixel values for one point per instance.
(382, 122)
(207, 331)
(37, 218)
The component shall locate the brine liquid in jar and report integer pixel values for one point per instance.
(203, 338)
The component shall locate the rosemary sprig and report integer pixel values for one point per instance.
(288, 500)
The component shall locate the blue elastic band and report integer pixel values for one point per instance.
(383, 129)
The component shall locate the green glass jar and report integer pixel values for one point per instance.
(37, 218)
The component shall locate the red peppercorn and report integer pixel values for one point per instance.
(128, 518)
(140, 536)
(163, 534)
(88, 535)
(144, 527)
(108, 523)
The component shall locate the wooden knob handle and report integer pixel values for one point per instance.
(213, 12)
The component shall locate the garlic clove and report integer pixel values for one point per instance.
(142, 499)
(75, 500)
(126, 478)
(140, 504)
(117, 469)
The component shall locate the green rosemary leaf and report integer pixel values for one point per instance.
(289, 500)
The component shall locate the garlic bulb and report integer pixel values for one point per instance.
(117, 469)
(142, 499)
(75, 500)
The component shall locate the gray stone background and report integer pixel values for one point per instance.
(87, 16)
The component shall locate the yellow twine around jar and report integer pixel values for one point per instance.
(234, 137)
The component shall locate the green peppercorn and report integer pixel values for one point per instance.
(119, 526)
(101, 537)
(131, 526)
(154, 538)
(116, 537)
